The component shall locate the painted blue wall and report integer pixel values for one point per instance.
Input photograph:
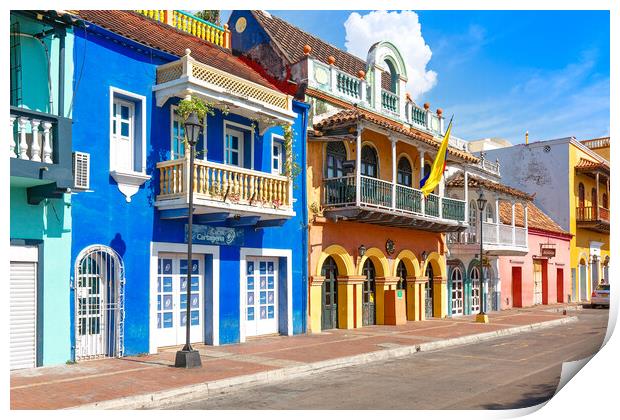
(104, 217)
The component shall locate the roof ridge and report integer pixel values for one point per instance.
(271, 16)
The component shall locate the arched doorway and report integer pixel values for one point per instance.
(329, 303)
(401, 273)
(456, 282)
(368, 293)
(474, 275)
(428, 301)
(99, 303)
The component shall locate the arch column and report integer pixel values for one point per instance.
(350, 301)
(419, 293)
(381, 285)
(440, 309)
(316, 301)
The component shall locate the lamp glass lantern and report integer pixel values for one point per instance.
(361, 250)
(192, 128)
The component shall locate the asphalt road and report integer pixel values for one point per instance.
(512, 372)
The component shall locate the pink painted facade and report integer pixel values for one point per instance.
(520, 293)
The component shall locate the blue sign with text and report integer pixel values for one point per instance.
(210, 235)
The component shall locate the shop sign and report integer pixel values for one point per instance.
(210, 235)
(547, 250)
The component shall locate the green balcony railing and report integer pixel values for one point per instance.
(408, 199)
(389, 101)
(431, 206)
(418, 115)
(348, 85)
(376, 192)
(453, 209)
(339, 191)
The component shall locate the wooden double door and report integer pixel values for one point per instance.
(329, 303)
(368, 294)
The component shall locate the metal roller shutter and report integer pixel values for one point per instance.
(23, 306)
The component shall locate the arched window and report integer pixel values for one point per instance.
(403, 176)
(336, 154)
(605, 202)
(369, 162)
(401, 273)
(582, 195)
(490, 214)
(594, 198)
(473, 212)
(392, 76)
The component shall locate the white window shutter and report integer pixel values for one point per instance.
(81, 170)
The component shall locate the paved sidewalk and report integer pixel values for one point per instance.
(151, 380)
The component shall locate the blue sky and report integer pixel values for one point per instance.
(503, 72)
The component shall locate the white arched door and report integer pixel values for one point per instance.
(475, 290)
(99, 303)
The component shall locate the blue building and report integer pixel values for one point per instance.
(129, 252)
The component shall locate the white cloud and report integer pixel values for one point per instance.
(404, 30)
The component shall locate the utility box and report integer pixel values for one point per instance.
(395, 307)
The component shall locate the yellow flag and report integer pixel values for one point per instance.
(431, 180)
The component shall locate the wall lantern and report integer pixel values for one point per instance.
(423, 256)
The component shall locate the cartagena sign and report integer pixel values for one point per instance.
(210, 235)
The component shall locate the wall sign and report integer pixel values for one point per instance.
(210, 235)
(547, 250)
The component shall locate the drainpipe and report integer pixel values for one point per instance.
(304, 215)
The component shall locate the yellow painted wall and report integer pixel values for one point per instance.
(580, 243)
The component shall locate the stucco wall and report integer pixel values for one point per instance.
(531, 169)
(50, 222)
(561, 260)
(103, 216)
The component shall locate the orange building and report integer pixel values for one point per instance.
(375, 245)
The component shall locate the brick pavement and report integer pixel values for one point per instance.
(101, 380)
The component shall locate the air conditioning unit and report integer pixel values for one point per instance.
(81, 170)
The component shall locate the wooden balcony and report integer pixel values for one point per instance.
(385, 203)
(593, 218)
(497, 239)
(223, 189)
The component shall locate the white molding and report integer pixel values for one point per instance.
(161, 247)
(241, 148)
(282, 157)
(129, 182)
(24, 253)
(265, 252)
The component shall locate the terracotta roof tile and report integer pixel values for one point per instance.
(536, 218)
(458, 180)
(588, 165)
(349, 116)
(291, 40)
(166, 38)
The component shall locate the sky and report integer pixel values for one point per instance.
(499, 73)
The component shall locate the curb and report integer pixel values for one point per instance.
(161, 399)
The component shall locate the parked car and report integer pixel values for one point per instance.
(600, 296)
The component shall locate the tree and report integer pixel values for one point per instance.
(212, 16)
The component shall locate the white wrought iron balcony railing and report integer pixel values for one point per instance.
(224, 184)
(493, 234)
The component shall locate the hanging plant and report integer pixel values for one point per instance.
(194, 104)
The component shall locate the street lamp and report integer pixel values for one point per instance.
(481, 317)
(188, 357)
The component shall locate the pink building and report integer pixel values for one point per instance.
(542, 276)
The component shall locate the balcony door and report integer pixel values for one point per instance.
(370, 167)
(336, 153)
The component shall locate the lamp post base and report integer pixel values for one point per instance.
(482, 318)
(187, 359)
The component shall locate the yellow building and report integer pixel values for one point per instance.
(589, 207)
(570, 180)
